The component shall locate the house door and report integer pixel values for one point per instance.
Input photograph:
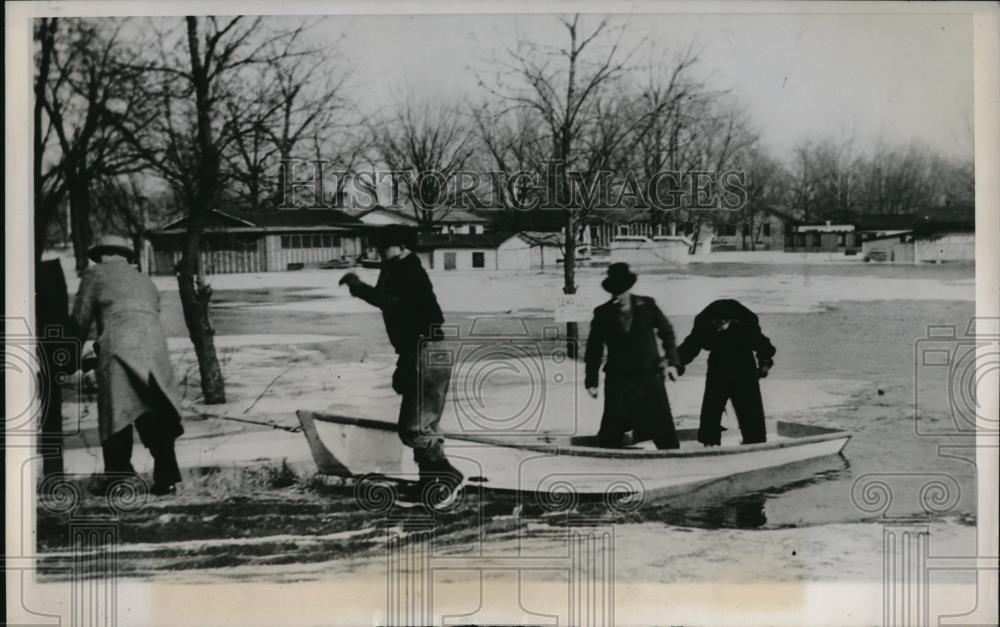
(449, 261)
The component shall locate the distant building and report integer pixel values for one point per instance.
(482, 251)
(549, 248)
(381, 215)
(265, 242)
(661, 250)
(823, 238)
(767, 230)
(454, 221)
(943, 234)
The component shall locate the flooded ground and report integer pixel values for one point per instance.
(846, 363)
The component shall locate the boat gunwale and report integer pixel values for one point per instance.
(825, 434)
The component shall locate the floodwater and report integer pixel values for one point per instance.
(904, 435)
(873, 347)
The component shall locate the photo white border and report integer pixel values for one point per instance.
(311, 603)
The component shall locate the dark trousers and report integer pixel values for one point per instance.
(744, 391)
(158, 436)
(637, 403)
(423, 383)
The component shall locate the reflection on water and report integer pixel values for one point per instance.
(742, 502)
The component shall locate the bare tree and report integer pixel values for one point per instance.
(765, 185)
(428, 145)
(78, 74)
(663, 140)
(193, 113)
(515, 151)
(567, 88)
(722, 135)
(47, 170)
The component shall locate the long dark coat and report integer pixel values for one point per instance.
(134, 375)
(733, 361)
(635, 395)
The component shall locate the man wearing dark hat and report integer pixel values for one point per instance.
(635, 395)
(739, 354)
(413, 318)
(134, 377)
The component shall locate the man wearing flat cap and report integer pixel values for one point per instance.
(135, 381)
(413, 318)
(635, 395)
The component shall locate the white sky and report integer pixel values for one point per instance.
(896, 77)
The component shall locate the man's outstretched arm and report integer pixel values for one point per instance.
(378, 296)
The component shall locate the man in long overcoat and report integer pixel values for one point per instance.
(635, 395)
(134, 377)
(739, 355)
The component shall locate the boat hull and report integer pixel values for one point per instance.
(353, 447)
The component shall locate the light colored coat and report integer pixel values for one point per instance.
(134, 375)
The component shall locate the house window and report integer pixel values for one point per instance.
(623, 230)
(727, 230)
(842, 240)
(449, 261)
(285, 243)
(472, 230)
(746, 230)
(766, 229)
(478, 259)
(296, 241)
(331, 241)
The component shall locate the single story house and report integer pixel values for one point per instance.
(937, 235)
(548, 248)
(767, 229)
(823, 238)
(482, 251)
(454, 221)
(660, 250)
(261, 242)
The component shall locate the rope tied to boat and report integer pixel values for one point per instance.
(273, 425)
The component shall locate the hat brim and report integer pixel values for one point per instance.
(96, 252)
(614, 286)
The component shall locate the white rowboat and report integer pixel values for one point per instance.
(347, 446)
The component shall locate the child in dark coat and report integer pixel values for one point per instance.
(739, 355)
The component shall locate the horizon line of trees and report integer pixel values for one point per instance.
(135, 116)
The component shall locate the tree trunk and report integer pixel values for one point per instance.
(196, 297)
(569, 283)
(79, 207)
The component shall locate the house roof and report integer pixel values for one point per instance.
(460, 216)
(932, 220)
(446, 216)
(479, 240)
(545, 238)
(271, 221)
(300, 217)
(394, 212)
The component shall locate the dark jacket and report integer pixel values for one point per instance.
(632, 352)
(406, 297)
(732, 350)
